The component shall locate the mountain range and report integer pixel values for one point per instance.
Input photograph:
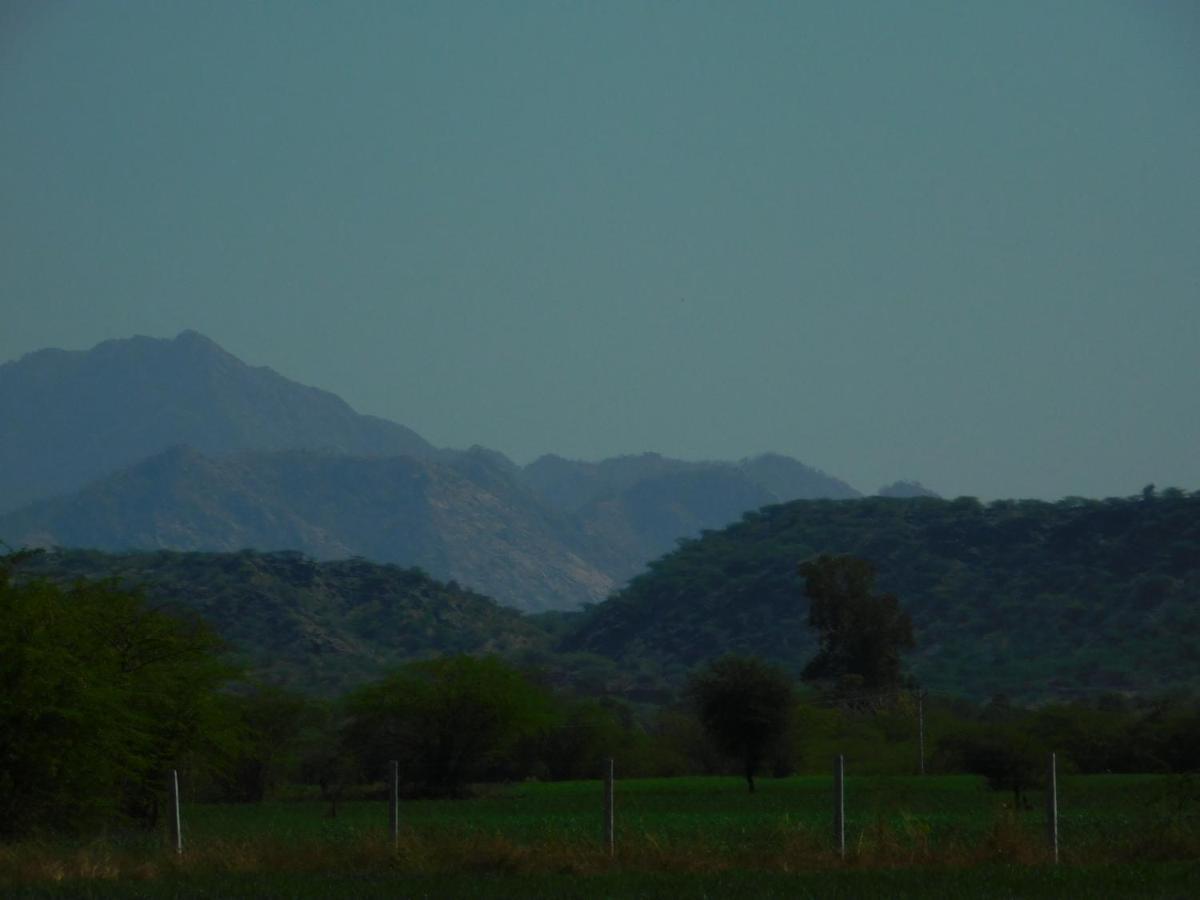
(176, 444)
(1035, 601)
(144, 448)
(73, 416)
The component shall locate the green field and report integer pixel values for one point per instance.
(906, 836)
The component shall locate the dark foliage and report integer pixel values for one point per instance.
(745, 707)
(447, 721)
(318, 627)
(861, 634)
(1038, 600)
(1009, 758)
(100, 694)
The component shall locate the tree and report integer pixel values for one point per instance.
(99, 695)
(586, 731)
(1006, 756)
(449, 721)
(273, 726)
(861, 635)
(745, 706)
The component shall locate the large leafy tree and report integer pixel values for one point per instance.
(448, 721)
(745, 707)
(1010, 758)
(862, 634)
(276, 728)
(99, 695)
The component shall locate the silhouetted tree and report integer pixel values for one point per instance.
(1006, 756)
(861, 635)
(745, 706)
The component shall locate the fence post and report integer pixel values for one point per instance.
(839, 804)
(921, 727)
(609, 835)
(176, 822)
(394, 801)
(1052, 806)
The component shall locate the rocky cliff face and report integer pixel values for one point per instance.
(466, 522)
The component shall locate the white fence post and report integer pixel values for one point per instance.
(1052, 806)
(839, 804)
(394, 801)
(176, 818)
(609, 832)
(921, 727)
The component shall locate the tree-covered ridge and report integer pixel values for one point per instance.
(316, 626)
(1028, 598)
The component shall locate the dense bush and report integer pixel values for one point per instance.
(99, 696)
(448, 721)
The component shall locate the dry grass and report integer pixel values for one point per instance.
(879, 845)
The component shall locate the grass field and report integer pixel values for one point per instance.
(686, 837)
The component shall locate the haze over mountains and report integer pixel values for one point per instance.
(166, 445)
(176, 444)
(1034, 600)
(72, 416)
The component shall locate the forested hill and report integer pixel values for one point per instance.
(315, 626)
(1026, 598)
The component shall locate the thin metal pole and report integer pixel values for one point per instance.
(1052, 806)
(609, 832)
(921, 727)
(839, 804)
(176, 819)
(394, 802)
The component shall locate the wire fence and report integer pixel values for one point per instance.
(840, 814)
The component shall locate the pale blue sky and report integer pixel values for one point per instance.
(951, 241)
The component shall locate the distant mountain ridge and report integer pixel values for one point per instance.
(574, 484)
(73, 416)
(641, 506)
(906, 489)
(176, 444)
(461, 518)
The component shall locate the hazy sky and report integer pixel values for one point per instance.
(951, 241)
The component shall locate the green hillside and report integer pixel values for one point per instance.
(1026, 598)
(315, 626)
(1034, 600)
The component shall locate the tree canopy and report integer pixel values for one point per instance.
(861, 634)
(1115, 584)
(100, 694)
(446, 720)
(745, 706)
